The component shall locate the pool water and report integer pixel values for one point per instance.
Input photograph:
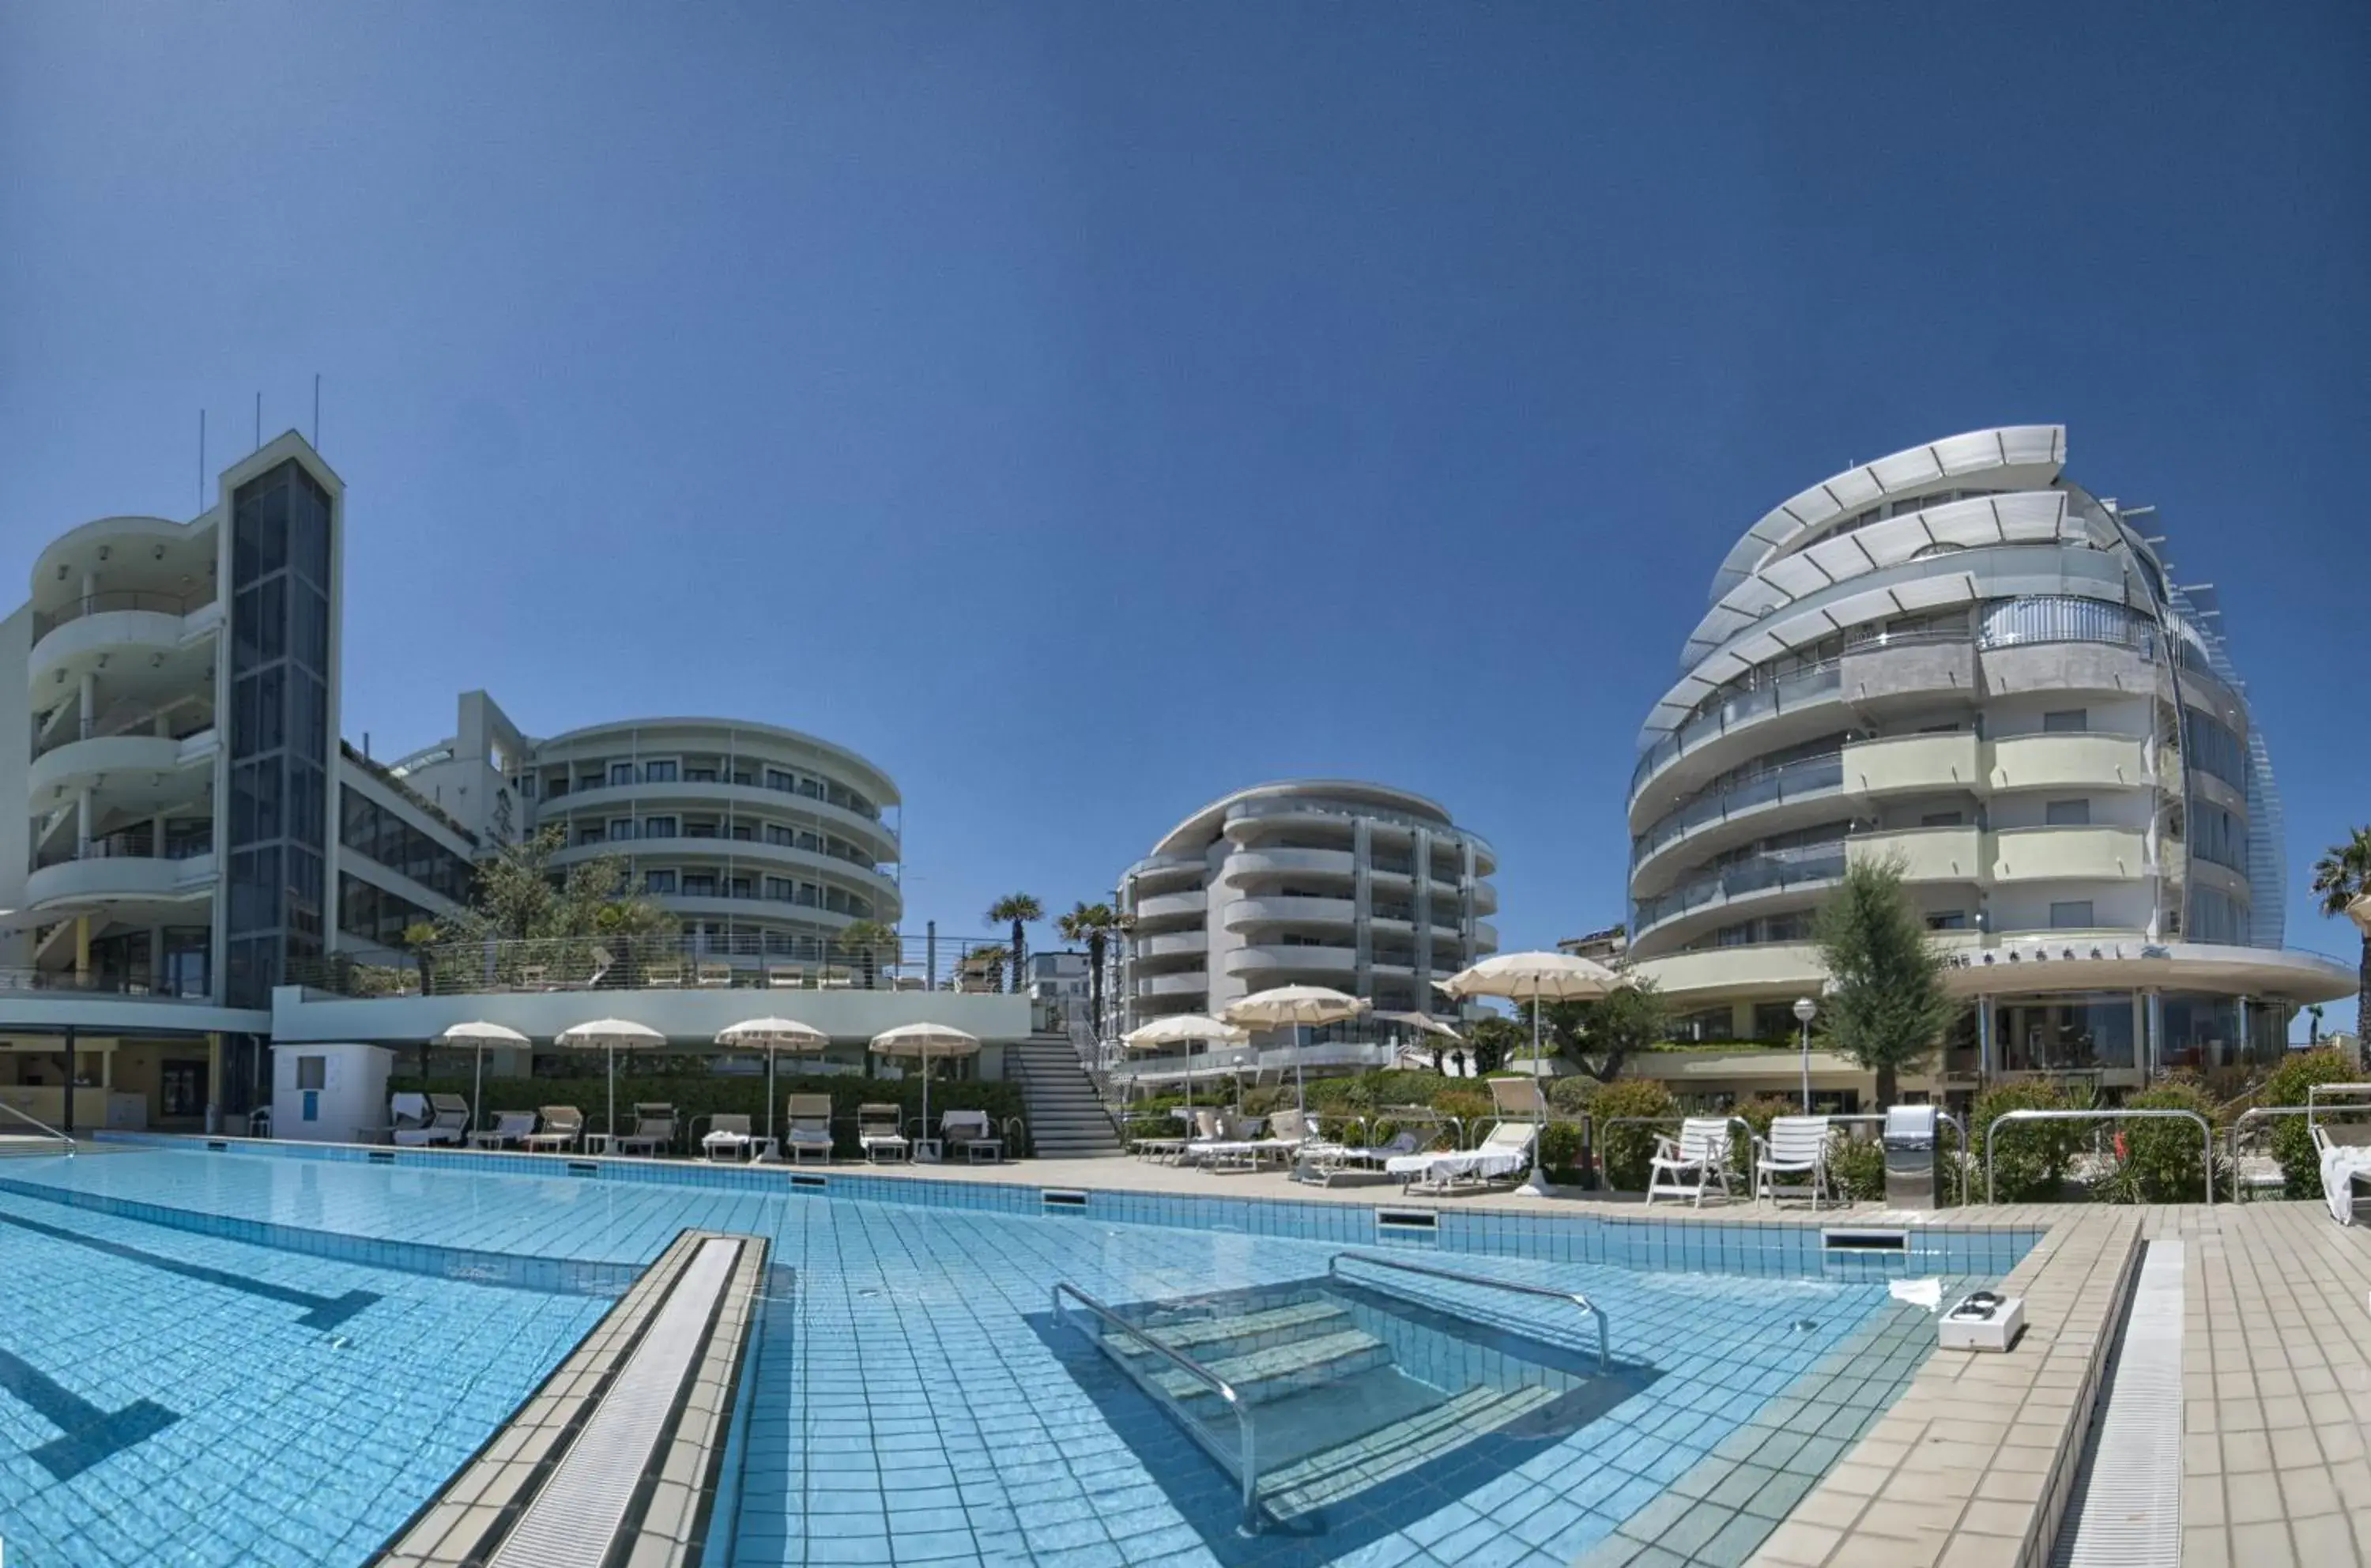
(914, 1399)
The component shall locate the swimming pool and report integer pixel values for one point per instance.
(912, 1398)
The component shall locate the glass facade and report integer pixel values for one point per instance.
(2070, 1033)
(279, 729)
(377, 834)
(369, 912)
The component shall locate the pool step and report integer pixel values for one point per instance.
(1205, 1338)
(1275, 1370)
(1391, 1451)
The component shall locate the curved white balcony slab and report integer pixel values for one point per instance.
(2068, 854)
(146, 770)
(1245, 913)
(761, 861)
(1173, 944)
(2065, 761)
(1246, 864)
(1266, 961)
(751, 802)
(1192, 983)
(1925, 854)
(109, 879)
(1172, 905)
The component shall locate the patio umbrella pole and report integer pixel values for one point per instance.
(608, 1147)
(478, 1089)
(1535, 1184)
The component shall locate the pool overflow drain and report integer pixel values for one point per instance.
(1061, 1201)
(382, 1156)
(810, 1183)
(217, 1146)
(582, 1168)
(1864, 1240)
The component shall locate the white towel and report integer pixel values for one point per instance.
(2340, 1163)
(1926, 1293)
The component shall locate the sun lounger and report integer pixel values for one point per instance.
(2345, 1168)
(727, 1136)
(420, 1120)
(968, 1131)
(1798, 1146)
(810, 1128)
(509, 1127)
(1288, 1133)
(877, 1134)
(1697, 1159)
(1503, 1156)
(564, 1125)
(653, 1131)
(1322, 1162)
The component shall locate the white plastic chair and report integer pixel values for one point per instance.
(1686, 1166)
(1798, 1146)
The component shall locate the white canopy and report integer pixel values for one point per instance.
(772, 1034)
(478, 1036)
(1181, 1029)
(929, 1042)
(1292, 1004)
(609, 1034)
(1424, 1022)
(1532, 977)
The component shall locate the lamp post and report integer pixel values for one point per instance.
(1805, 1010)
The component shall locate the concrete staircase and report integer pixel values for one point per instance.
(1066, 1120)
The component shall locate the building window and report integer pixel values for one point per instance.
(2067, 813)
(1941, 819)
(558, 787)
(527, 787)
(659, 772)
(778, 889)
(621, 773)
(778, 779)
(2066, 721)
(2073, 914)
(700, 776)
(1947, 920)
(312, 1072)
(622, 828)
(776, 833)
(658, 881)
(743, 832)
(658, 827)
(700, 884)
(739, 888)
(591, 833)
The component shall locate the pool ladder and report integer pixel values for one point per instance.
(43, 1128)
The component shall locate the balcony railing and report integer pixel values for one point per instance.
(114, 599)
(1799, 779)
(67, 982)
(1800, 866)
(182, 842)
(765, 959)
(181, 722)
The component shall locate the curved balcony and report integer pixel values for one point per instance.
(1193, 901)
(1755, 881)
(759, 911)
(2069, 854)
(1927, 854)
(758, 857)
(1264, 962)
(1751, 808)
(2065, 761)
(116, 879)
(128, 621)
(754, 803)
(146, 770)
(1913, 764)
(1244, 913)
(2111, 668)
(1245, 864)
(1190, 983)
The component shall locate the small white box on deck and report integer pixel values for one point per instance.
(1982, 1321)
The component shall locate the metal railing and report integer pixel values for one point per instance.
(1245, 1462)
(1607, 1175)
(1805, 778)
(114, 599)
(2205, 1134)
(1434, 1270)
(40, 1126)
(2231, 1134)
(1797, 865)
(741, 958)
(34, 979)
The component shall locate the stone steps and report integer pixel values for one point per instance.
(1394, 1450)
(1273, 1371)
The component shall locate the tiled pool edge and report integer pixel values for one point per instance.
(1675, 1240)
(1972, 1467)
(519, 1271)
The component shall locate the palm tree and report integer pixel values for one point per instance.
(1095, 925)
(866, 940)
(2342, 876)
(1020, 908)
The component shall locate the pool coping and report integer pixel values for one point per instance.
(469, 1518)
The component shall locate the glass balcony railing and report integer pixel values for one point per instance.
(114, 599)
(1802, 780)
(1800, 866)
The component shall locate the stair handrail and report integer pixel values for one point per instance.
(44, 1127)
(1248, 1458)
(1406, 1265)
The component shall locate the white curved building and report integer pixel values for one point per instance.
(1357, 887)
(1958, 658)
(765, 842)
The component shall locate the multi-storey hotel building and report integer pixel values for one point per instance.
(1959, 659)
(1357, 887)
(183, 834)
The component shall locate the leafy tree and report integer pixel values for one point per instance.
(2341, 876)
(1095, 925)
(2292, 1142)
(417, 938)
(517, 895)
(1600, 1034)
(1020, 908)
(866, 940)
(1623, 1151)
(1493, 1041)
(1886, 1006)
(2159, 1162)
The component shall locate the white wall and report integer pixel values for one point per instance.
(2021, 715)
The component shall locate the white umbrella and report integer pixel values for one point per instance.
(770, 1036)
(1533, 977)
(1183, 1029)
(478, 1036)
(608, 1034)
(1291, 1005)
(1423, 1023)
(926, 1043)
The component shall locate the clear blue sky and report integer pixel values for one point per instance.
(1088, 409)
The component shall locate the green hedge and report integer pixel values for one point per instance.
(2160, 1161)
(701, 1094)
(2034, 1156)
(2292, 1142)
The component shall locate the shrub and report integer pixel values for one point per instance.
(1758, 1112)
(1563, 1155)
(2292, 1142)
(2033, 1158)
(1623, 1152)
(1570, 1096)
(1467, 1105)
(1858, 1166)
(2160, 1158)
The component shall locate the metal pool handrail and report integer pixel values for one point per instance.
(1247, 1458)
(2205, 1134)
(1334, 1271)
(44, 1127)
